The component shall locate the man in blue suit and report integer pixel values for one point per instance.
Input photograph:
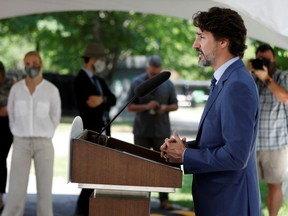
(222, 158)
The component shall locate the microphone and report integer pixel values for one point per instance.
(149, 85)
(140, 91)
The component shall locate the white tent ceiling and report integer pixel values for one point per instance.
(266, 20)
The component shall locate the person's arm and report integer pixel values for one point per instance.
(191, 144)
(172, 104)
(10, 108)
(94, 101)
(84, 92)
(235, 120)
(278, 91)
(152, 105)
(3, 111)
(166, 108)
(55, 108)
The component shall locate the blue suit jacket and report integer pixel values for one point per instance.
(222, 159)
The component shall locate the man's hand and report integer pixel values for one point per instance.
(262, 74)
(3, 111)
(152, 105)
(94, 101)
(161, 110)
(173, 148)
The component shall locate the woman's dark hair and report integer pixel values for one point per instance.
(223, 23)
(2, 68)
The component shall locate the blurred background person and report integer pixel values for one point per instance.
(152, 124)
(94, 99)
(272, 139)
(34, 109)
(6, 135)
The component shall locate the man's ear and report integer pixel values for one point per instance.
(224, 43)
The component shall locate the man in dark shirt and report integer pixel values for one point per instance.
(152, 124)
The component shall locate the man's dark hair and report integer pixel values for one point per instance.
(264, 48)
(223, 23)
(155, 61)
(86, 59)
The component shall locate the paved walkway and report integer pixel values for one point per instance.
(65, 194)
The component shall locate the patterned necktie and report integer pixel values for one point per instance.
(213, 84)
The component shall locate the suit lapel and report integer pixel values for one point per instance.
(217, 90)
(210, 101)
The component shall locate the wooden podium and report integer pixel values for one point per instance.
(122, 174)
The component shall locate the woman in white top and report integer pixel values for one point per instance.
(34, 109)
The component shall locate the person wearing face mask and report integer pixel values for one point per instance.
(272, 139)
(34, 110)
(94, 99)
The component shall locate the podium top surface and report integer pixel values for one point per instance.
(124, 147)
(102, 160)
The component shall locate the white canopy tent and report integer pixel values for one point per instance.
(266, 20)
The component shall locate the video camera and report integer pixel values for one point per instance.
(258, 63)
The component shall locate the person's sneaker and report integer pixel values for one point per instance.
(166, 205)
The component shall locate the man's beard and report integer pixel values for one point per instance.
(203, 63)
(206, 60)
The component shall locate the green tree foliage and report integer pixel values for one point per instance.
(62, 36)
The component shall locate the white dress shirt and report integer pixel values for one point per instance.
(219, 72)
(35, 115)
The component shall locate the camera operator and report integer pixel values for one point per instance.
(272, 139)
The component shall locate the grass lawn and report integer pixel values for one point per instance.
(183, 197)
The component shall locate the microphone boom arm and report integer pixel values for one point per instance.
(140, 91)
(109, 123)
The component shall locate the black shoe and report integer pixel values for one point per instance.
(79, 212)
(1, 209)
(166, 205)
